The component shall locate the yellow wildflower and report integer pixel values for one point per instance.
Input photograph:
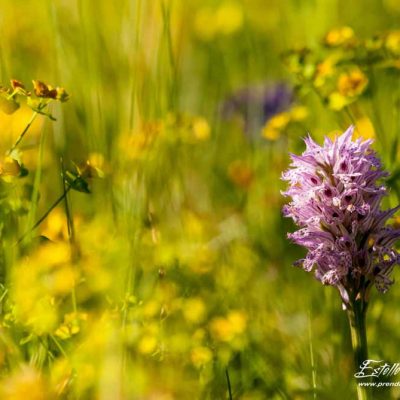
(72, 323)
(324, 69)
(275, 125)
(55, 227)
(201, 128)
(392, 42)
(194, 310)
(336, 101)
(226, 329)
(222, 329)
(40, 280)
(229, 17)
(298, 113)
(279, 121)
(201, 355)
(338, 36)
(352, 83)
(42, 316)
(147, 344)
(238, 321)
(53, 254)
(270, 133)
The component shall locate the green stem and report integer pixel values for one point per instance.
(313, 367)
(71, 232)
(228, 381)
(21, 136)
(45, 215)
(357, 316)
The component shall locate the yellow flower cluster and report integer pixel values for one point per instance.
(277, 124)
(339, 36)
(337, 72)
(227, 329)
(41, 283)
(349, 86)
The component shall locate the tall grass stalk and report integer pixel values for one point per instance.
(23, 133)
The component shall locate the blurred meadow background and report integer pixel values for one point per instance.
(173, 277)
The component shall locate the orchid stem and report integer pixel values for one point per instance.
(357, 316)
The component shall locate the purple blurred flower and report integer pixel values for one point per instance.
(336, 198)
(257, 104)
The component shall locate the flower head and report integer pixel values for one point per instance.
(353, 83)
(336, 197)
(339, 36)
